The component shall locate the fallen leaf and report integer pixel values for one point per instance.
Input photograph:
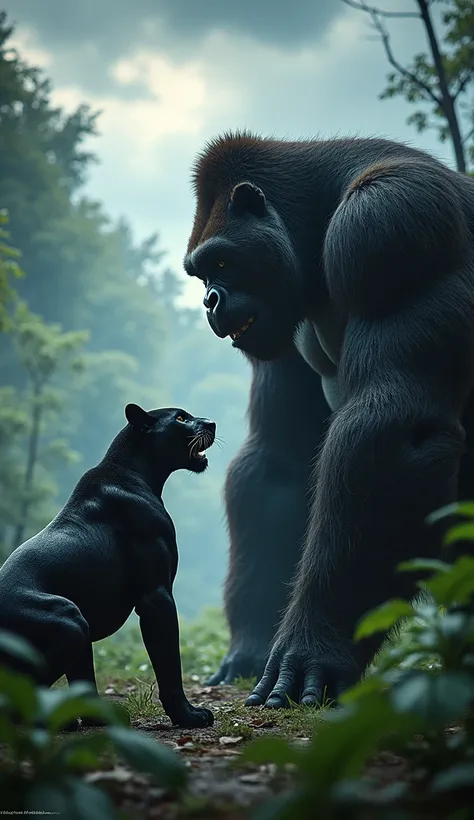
(258, 723)
(182, 741)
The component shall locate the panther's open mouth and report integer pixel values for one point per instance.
(200, 443)
(240, 332)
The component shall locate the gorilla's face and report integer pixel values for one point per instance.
(249, 269)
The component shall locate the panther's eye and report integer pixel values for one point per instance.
(221, 264)
(179, 418)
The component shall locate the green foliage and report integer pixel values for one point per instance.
(85, 272)
(421, 683)
(44, 353)
(40, 772)
(123, 656)
(439, 82)
(9, 268)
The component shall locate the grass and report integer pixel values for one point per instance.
(123, 657)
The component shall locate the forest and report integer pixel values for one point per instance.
(91, 319)
(90, 324)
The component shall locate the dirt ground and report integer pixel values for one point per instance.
(220, 786)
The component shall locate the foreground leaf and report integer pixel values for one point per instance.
(343, 744)
(74, 800)
(60, 706)
(437, 699)
(456, 777)
(454, 586)
(149, 757)
(383, 617)
(18, 692)
(80, 751)
(17, 647)
(274, 749)
(422, 564)
(456, 508)
(292, 805)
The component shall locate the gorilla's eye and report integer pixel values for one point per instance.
(221, 264)
(179, 418)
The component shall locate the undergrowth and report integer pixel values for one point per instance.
(416, 702)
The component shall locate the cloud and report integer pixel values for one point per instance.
(115, 26)
(160, 103)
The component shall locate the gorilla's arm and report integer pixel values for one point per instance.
(267, 506)
(390, 458)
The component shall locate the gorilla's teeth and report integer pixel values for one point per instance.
(238, 333)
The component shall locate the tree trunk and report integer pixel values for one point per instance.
(447, 101)
(31, 460)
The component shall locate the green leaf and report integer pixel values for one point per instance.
(291, 805)
(369, 686)
(48, 798)
(80, 751)
(456, 777)
(90, 803)
(8, 731)
(74, 799)
(147, 756)
(421, 564)
(455, 585)
(461, 532)
(457, 508)
(64, 704)
(17, 647)
(383, 617)
(435, 698)
(20, 693)
(275, 750)
(342, 744)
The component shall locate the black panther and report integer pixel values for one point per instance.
(111, 549)
(344, 271)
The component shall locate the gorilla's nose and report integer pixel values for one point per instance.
(216, 302)
(213, 298)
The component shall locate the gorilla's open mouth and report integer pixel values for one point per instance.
(240, 332)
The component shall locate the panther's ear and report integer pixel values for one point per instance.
(247, 197)
(138, 417)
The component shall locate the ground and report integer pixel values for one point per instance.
(219, 788)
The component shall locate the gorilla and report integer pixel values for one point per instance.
(344, 271)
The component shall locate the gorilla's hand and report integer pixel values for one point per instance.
(303, 669)
(244, 659)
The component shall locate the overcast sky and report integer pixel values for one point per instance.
(170, 74)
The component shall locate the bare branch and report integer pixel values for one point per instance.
(385, 37)
(380, 12)
(462, 85)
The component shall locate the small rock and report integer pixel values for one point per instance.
(253, 778)
(229, 741)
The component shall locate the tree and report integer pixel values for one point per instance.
(441, 81)
(84, 271)
(9, 268)
(43, 350)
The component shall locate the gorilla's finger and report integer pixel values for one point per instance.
(219, 676)
(264, 687)
(286, 686)
(312, 692)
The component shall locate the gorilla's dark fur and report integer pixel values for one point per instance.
(344, 270)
